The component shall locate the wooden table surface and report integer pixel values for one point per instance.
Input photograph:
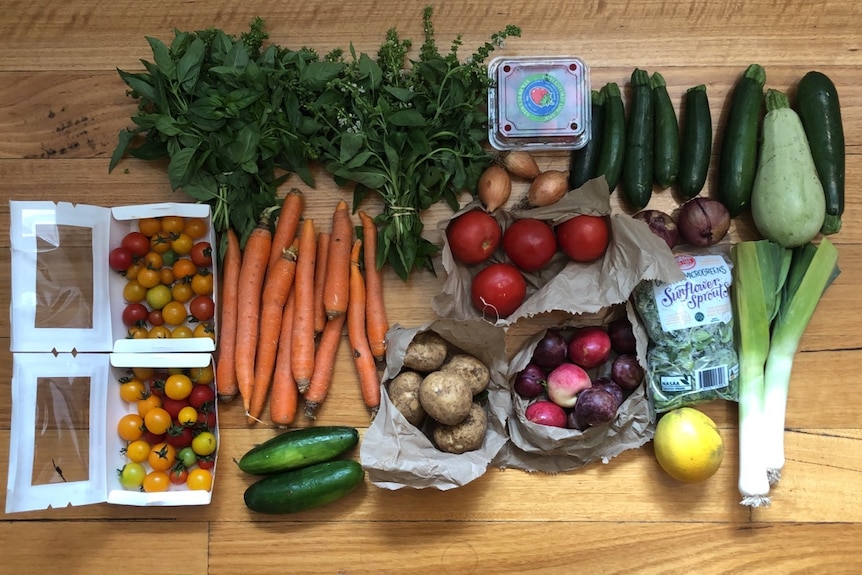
(61, 107)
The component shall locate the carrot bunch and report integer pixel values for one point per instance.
(286, 300)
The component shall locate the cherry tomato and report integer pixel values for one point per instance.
(157, 386)
(182, 332)
(187, 456)
(138, 450)
(202, 307)
(179, 435)
(498, 290)
(181, 243)
(206, 462)
(148, 403)
(205, 330)
(153, 438)
(166, 276)
(201, 395)
(161, 242)
(143, 373)
(120, 259)
(530, 243)
(204, 443)
(182, 291)
(202, 254)
(202, 375)
(174, 313)
(159, 332)
(131, 427)
(169, 258)
(134, 292)
(132, 475)
(156, 481)
(155, 317)
(207, 418)
(149, 277)
(149, 226)
(138, 243)
(132, 272)
(184, 268)
(138, 332)
(202, 283)
(173, 224)
(583, 238)
(173, 406)
(132, 390)
(178, 386)
(158, 297)
(187, 415)
(473, 236)
(135, 313)
(157, 420)
(196, 228)
(153, 260)
(162, 456)
(178, 475)
(200, 479)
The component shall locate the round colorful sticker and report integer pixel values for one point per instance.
(541, 97)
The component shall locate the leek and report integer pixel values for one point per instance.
(812, 270)
(759, 270)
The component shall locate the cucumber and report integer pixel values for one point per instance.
(737, 158)
(300, 448)
(666, 154)
(583, 161)
(610, 161)
(696, 143)
(306, 488)
(820, 112)
(637, 174)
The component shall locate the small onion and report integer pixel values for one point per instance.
(521, 164)
(495, 187)
(548, 188)
(661, 224)
(703, 222)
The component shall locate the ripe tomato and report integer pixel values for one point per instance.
(156, 481)
(174, 313)
(206, 418)
(132, 475)
(530, 243)
(184, 268)
(204, 443)
(138, 243)
(158, 420)
(166, 276)
(473, 236)
(181, 243)
(161, 242)
(173, 406)
(201, 395)
(201, 479)
(138, 451)
(178, 474)
(498, 290)
(138, 332)
(159, 332)
(149, 277)
(153, 438)
(202, 307)
(178, 386)
(206, 462)
(153, 260)
(143, 373)
(182, 291)
(131, 426)
(196, 228)
(149, 226)
(155, 317)
(202, 282)
(583, 238)
(202, 254)
(202, 375)
(134, 292)
(179, 436)
(182, 332)
(205, 330)
(173, 224)
(148, 403)
(135, 313)
(132, 390)
(120, 259)
(187, 415)
(131, 272)
(162, 456)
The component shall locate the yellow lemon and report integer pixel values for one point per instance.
(688, 445)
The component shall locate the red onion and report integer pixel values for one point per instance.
(661, 224)
(703, 222)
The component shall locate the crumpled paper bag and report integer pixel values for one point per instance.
(634, 254)
(396, 454)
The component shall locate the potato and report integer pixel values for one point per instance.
(445, 397)
(471, 370)
(426, 352)
(465, 436)
(404, 393)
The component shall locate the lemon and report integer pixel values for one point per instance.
(688, 445)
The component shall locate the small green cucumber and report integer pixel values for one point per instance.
(583, 161)
(306, 488)
(299, 448)
(666, 154)
(696, 143)
(637, 174)
(610, 161)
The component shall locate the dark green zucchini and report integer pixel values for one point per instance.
(299, 448)
(666, 153)
(637, 174)
(737, 159)
(583, 161)
(820, 112)
(696, 143)
(610, 161)
(306, 488)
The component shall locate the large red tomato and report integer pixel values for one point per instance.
(473, 237)
(584, 238)
(498, 290)
(529, 243)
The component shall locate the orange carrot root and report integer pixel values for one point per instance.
(366, 368)
(336, 289)
(302, 362)
(376, 321)
(226, 381)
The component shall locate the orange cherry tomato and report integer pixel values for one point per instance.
(202, 283)
(131, 426)
(156, 481)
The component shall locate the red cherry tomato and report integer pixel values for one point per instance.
(498, 290)
(137, 242)
(202, 254)
(135, 313)
(530, 243)
(120, 259)
(583, 238)
(201, 395)
(202, 307)
(473, 237)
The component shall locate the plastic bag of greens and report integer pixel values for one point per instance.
(691, 357)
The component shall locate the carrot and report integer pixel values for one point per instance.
(376, 322)
(276, 287)
(249, 290)
(369, 381)
(226, 383)
(319, 281)
(285, 395)
(302, 362)
(336, 288)
(324, 365)
(286, 226)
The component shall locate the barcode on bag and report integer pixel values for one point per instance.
(712, 378)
